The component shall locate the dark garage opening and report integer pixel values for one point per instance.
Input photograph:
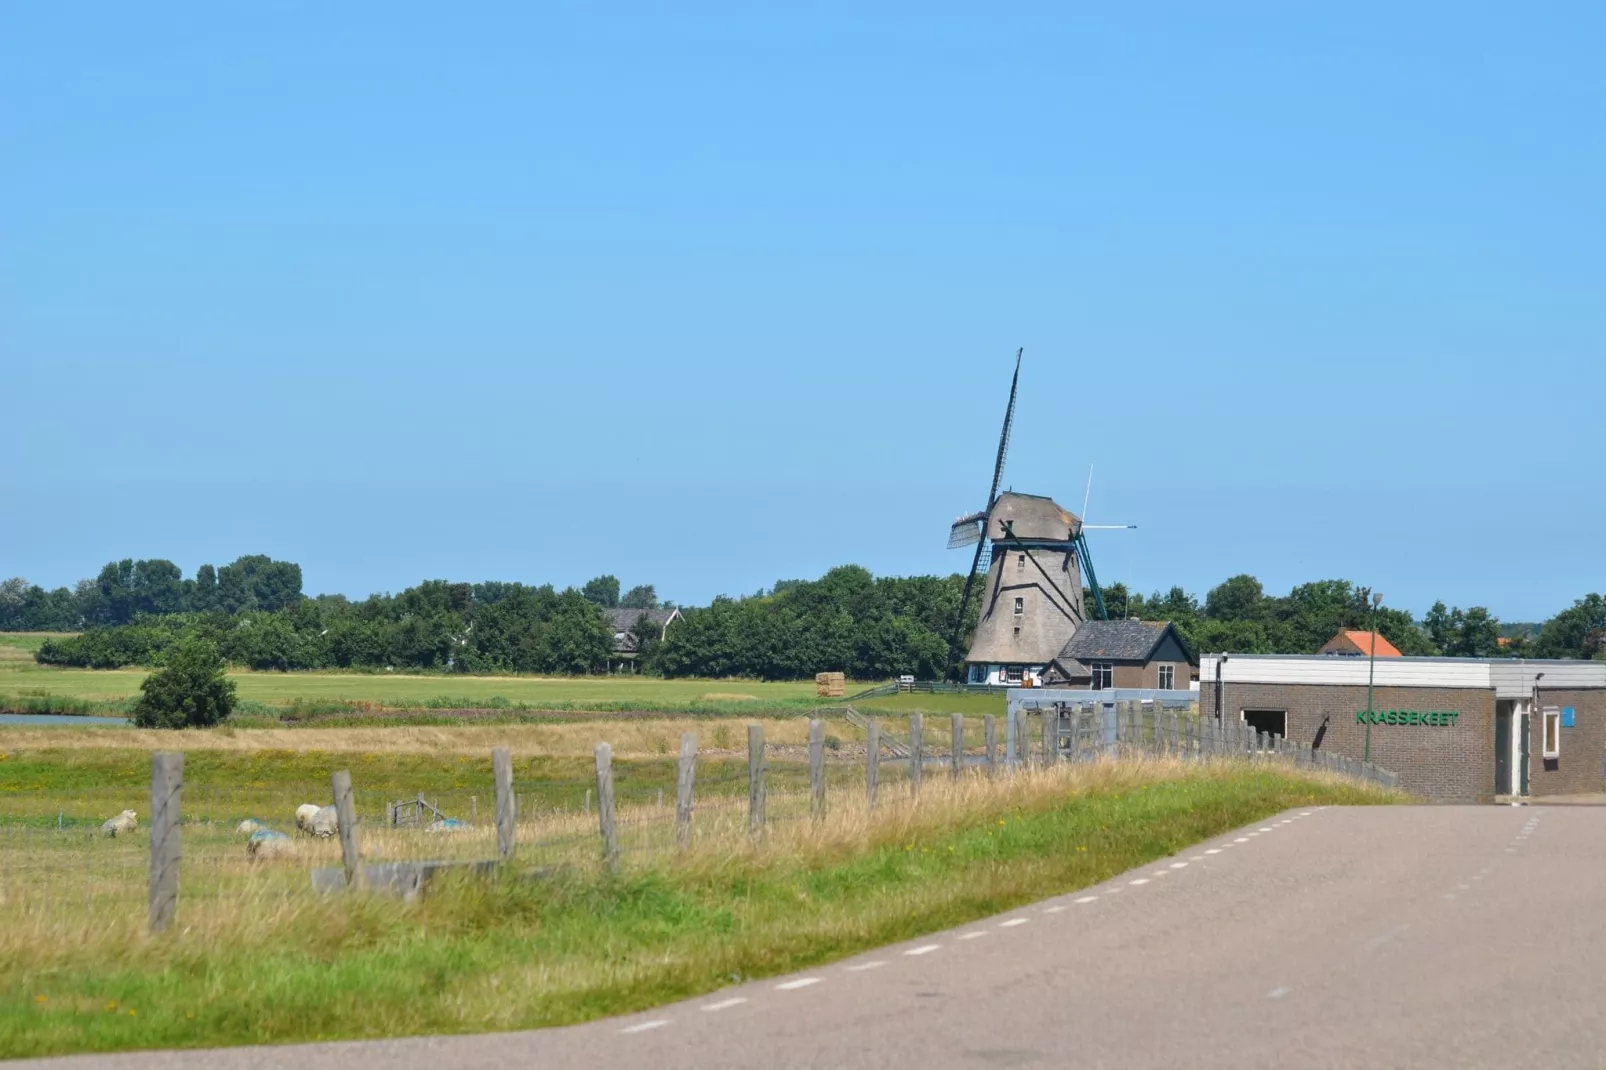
(1271, 722)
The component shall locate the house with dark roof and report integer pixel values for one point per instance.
(1355, 644)
(625, 646)
(1123, 653)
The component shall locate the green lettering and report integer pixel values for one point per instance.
(1453, 715)
(1433, 717)
(1414, 718)
(1392, 717)
(1360, 716)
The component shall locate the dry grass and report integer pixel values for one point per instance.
(643, 737)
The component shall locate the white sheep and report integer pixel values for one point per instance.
(249, 825)
(266, 843)
(125, 822)
(324, 823)
(304, 814)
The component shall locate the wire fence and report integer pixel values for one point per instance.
(64, 865)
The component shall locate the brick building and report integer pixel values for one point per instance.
(1455, 729)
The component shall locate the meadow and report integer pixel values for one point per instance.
(28, 687)
(258, 958)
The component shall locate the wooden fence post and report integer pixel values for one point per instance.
(605, 807)
(684, 780)
(346, 815)
(755, 779)
(167, 785)
(957, 731)
(817, 768)
(990, 727)
(917, 751)
(1051, 732)
(872, 760)
(507, 804)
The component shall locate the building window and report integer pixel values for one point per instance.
(1168, 677)
(1020, 561)
(1017, 631)
(1012, 674)
(1020, 606)
(1552, 733)
(1103, 676)
(978, 674)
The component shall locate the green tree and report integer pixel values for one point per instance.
(190, 692)
(1239, 598)
(1576, 632)
(602, 591)
(256, 581)
(641, 596)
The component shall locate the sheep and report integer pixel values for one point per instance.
(266, 843)
(127, 821)
(249, 826)
(324, 823)
(304, 814)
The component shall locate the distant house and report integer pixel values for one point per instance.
(1123, 653)
(1358, 645)
(624, 640)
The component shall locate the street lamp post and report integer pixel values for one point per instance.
(1371, 674)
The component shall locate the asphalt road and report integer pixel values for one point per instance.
(1368, 937)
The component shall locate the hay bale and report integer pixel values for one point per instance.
(830, 684)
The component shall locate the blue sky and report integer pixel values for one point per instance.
(708, 296)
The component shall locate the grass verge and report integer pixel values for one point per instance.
(513, 954)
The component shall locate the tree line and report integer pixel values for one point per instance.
(255, 614)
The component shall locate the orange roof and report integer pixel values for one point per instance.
(1385, 649)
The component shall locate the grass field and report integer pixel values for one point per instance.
(518, 954)
(26, 685)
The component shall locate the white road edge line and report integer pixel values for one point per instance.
(1052, 910)
(1140, 880)
(974, 935)
(1179, 865)
(862, 966)
(1213, 851)
(801, 982)
(725, 1004)
(1012, 922)
(924, 949)
(642, 1027)
(1087, 899)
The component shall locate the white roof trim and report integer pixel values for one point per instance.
(1510, 678)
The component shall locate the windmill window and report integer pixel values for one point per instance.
(1103, 676)
(1020, 561)
(1168, 677)
(1017, 631)
(1020, 606)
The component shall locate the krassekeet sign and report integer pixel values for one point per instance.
(1420, 718)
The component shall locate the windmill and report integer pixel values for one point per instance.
(1046, 545)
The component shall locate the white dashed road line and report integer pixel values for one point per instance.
(924, 949)
(1053, 909)
(801, 982)
(974, 935)
(725, 1004)
(1012, 922)
(860, 967)
(1140, 880)
(1087, 899)
(642, 1027)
